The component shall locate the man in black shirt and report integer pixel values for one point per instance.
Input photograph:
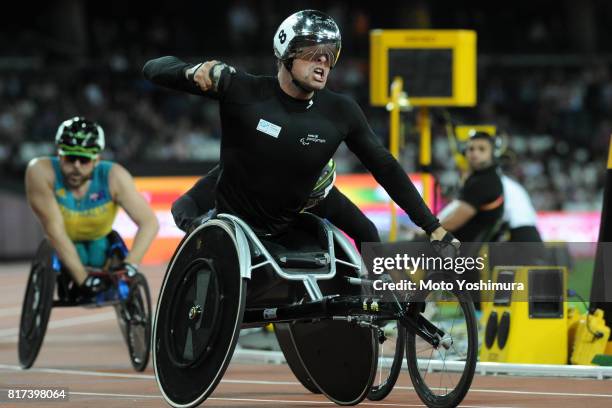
(480, 204)
(279, 132)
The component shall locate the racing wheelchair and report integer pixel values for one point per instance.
(49, 285)
(310, 283)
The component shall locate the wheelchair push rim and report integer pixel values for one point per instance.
(198, 316)
(37, 304)
(442, 374)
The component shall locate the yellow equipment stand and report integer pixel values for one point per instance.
(399, 101)
(394, 107)
(439, 68)
(528, 326)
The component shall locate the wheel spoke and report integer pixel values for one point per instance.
(188, 348)
(201, 287)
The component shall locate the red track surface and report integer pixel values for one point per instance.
(84, 352)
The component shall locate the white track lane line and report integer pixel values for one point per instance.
(366, 403)
(72, 321)
(543, 393)
(261, 382)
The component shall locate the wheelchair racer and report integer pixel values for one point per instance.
(278, 132)
(75, 196)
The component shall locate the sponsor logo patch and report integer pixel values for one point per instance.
(268, 128)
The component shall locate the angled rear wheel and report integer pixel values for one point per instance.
(37, 304)
(199, 314)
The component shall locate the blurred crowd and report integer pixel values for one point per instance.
(557, 113)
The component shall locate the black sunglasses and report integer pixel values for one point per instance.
(80, 159)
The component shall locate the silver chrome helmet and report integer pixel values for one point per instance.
(307, 28)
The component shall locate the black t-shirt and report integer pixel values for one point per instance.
(484, 191)
(273, 146)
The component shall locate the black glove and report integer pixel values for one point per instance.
(96, 282)
(130, 269)
(448, 247)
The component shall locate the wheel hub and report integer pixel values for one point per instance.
(195, 312)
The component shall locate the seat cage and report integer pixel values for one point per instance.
(248, 243)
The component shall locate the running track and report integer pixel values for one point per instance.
(84, 352)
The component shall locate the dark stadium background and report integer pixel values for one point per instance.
(543, 77)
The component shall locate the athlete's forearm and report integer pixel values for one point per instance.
(66, 251)
(145, 235)
(386, 170)
(390, 175)
(169, 72)
(404, 193)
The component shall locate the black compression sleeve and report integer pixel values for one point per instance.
(169, 72)
(198, 200)
(387, 171)
(203, 191)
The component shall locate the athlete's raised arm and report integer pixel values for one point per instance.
(387, 171)
(204, 78)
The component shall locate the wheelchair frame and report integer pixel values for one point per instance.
(67, 298)
(359, 310)
(321, 306)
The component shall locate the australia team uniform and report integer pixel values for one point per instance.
(88, 220)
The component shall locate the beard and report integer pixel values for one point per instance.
(76, 179)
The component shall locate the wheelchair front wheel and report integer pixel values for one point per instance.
(390, 358)
(135, 321)
(442, 374)
(37, 304)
